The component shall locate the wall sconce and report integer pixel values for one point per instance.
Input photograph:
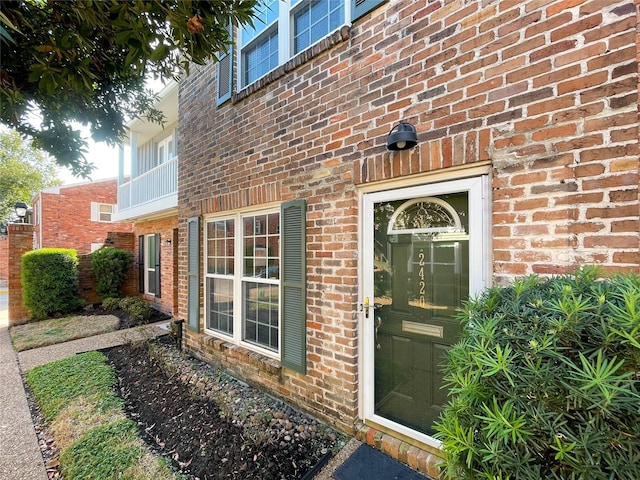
(3, 230)
(402, 137)
(167, 242)
(21, 210)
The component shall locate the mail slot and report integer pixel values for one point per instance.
(423, 329)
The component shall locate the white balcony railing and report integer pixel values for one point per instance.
(155, 184)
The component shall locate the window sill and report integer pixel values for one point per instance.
(339, 36)
(236, 353)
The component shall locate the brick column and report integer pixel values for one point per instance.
(20, 241)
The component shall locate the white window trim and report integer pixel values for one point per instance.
(239, 279)
(284, 26)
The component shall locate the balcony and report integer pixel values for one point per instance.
(151, 194)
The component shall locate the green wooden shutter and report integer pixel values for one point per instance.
(293, 285)
(141, 263)
(360, 7)
(225, 73)
(158, 265)
(193, 273)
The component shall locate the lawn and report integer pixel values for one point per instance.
(58, 330)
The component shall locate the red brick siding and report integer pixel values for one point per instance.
(20, 240)
(63, 220)
(4, 266)
(87, 280)
(544, 92)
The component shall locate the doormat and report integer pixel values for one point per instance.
(367, 463)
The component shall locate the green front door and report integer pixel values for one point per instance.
(421, 271)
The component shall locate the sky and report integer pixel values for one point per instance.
(104, 158)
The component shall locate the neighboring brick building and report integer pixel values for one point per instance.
(77, 216)
(323, 266)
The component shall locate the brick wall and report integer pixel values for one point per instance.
(4, 267)
(543, 92)
(87, 280)
(63, 216)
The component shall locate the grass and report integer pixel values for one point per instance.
(95, 438)
(58, 330)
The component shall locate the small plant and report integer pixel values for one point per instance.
(110, 266)
(545, 382)
(137, 308)
(111, 303)
(50, 282)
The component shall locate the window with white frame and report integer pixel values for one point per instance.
(282, 29)
(242, 279)
(102, 212)
(165, 149)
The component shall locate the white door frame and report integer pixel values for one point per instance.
(479, 261)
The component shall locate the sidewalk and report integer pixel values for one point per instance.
(20, 458)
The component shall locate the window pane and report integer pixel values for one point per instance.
(260, 58)
(151, 251)
(261, 325)
(315, 20)
(220, 303)
(151, 281)
(264, 15)
(104, 212)
(220, 247)
(170, 149)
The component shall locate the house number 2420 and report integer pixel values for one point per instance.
(421, 275)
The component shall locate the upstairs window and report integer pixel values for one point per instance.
(314, 20)
(282, 29)
(102, 212)
(166, 149)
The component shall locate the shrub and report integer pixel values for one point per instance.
(545, 382)
(137, 308)
(50, 282)
(111, 303)
(110, 266)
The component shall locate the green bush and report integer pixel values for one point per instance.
(137, 308)
(111, 303)
(50, 282)
(110, 266)
(545, 382)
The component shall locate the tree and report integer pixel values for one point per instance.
(87, 61)
(24, 171)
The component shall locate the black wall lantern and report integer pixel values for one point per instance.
(402, 137)
(21, 210)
